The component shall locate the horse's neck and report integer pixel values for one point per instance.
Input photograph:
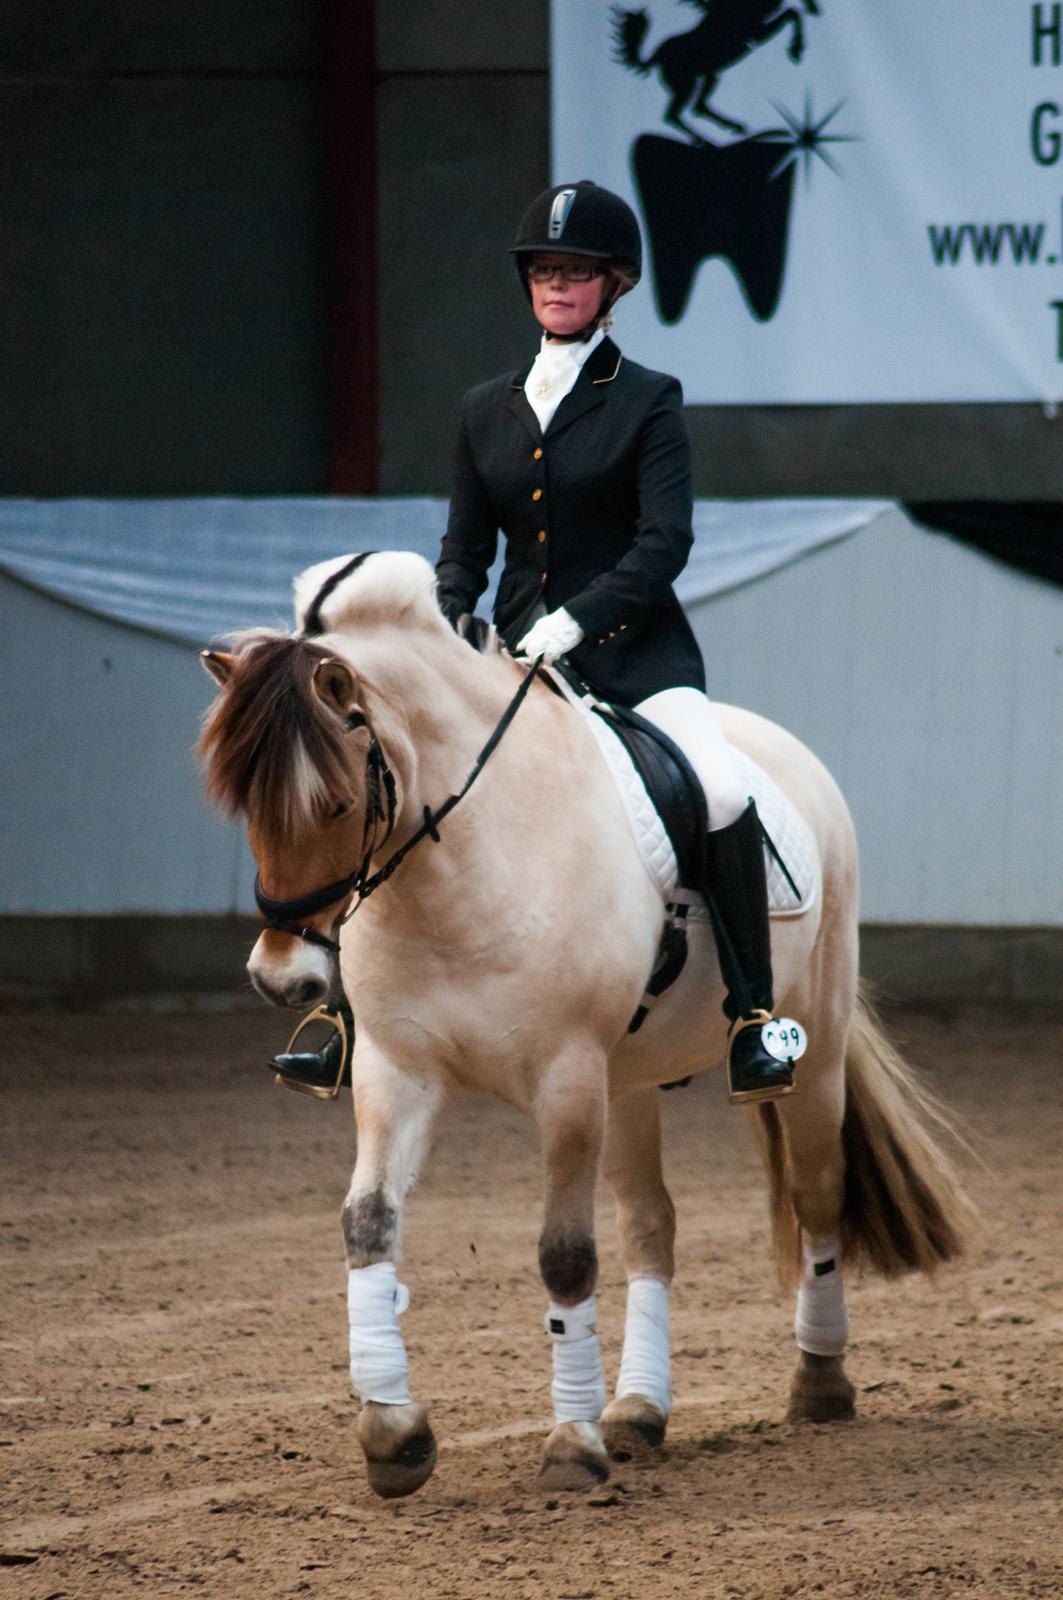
(437, 705)
(444, 710)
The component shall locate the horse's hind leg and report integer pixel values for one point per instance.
(682, 87)
(637, 1416)
(811, 1122)
(570, 1109)
(703, 109)
(394, 1113)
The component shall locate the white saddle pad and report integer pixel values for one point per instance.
(788, 830)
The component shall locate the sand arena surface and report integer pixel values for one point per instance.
(176, 1414)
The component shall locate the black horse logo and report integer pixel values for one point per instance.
(732, 200)
(690, 63)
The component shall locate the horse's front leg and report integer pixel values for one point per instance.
(637, 1416)
(790, 18)
(394, 1113)
(570, 1110)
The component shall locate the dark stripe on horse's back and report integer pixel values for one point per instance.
(313, 624)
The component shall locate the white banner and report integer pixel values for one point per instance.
(841, 200)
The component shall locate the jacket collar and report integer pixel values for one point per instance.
(588, 391)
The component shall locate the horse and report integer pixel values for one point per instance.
(505, 949)
(690, 63)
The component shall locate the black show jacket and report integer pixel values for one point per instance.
(596, 514)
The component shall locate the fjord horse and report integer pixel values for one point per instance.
(509, 957)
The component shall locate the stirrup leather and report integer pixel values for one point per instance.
(319, 1091)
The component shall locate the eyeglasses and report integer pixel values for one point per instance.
(567, 271)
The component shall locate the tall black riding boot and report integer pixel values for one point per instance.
(320, 1072)
(736, 893)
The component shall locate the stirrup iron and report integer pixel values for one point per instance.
(319, 1091)
(773, 1075)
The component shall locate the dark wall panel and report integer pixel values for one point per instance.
(893, 452)
(158, 36)
(164, 329)
(475, 36)
(460, 157)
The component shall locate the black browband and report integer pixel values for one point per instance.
(280, 914)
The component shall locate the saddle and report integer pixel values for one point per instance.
(666, 808)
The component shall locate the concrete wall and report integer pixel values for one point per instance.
(928, 678)
(101, 810)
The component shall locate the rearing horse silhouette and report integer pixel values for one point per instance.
(690, 63)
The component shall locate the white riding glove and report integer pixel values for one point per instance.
(551, 637)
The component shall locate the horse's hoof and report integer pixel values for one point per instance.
(400, 1448)
(632, 1426)
(820, 1391)
(574, 1457)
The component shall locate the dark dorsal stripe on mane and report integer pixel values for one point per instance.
(313, 624)
(270, 747)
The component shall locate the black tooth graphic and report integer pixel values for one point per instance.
(706, 200)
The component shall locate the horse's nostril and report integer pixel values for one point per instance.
(309, 991)
(265, 992)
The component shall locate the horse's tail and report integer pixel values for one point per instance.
(904, 1207)
(629, 30)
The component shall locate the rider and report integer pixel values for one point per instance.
(583, 461)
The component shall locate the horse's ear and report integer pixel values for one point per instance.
(335, 685)
(219, 663)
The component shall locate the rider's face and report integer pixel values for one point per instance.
(562, 306)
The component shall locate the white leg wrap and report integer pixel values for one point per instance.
(821, 1323)
(578, 1389)
(646, 1366)
(379, 1369)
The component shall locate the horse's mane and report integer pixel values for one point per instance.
(270, 747)
(382, 586)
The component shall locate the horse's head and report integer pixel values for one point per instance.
(289, 744)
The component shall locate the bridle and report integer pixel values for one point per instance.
(381, 807)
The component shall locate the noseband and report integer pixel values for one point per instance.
(381, 807)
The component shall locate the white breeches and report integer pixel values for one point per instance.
(688, 717)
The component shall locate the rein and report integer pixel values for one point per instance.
(279, 914)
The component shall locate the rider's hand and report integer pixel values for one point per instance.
(551, 637)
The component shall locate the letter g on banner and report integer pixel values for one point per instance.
(1046, 144)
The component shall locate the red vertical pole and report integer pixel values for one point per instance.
(351, 246)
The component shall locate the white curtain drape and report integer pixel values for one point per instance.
(192, 570)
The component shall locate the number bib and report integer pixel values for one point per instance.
(785, 1039)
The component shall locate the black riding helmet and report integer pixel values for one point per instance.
(581, 219)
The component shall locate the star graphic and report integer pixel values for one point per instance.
(806, 139)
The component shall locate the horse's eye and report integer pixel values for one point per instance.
(340, 809)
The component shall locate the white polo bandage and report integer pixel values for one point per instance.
(375, 1301)
(646, 1366)
(578, 1387)
(821, 1322)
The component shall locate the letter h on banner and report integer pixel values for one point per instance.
(1047, 23)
